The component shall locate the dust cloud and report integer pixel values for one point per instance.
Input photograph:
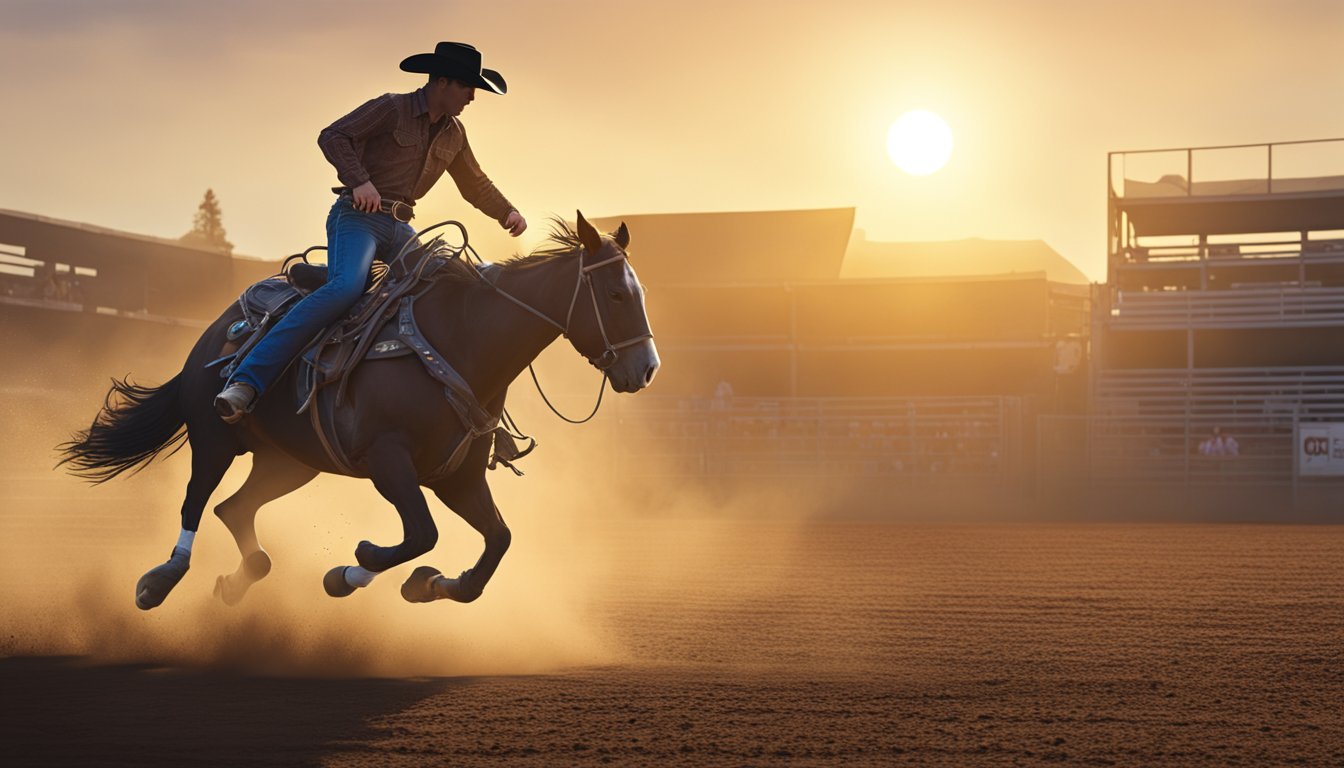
(586, 537)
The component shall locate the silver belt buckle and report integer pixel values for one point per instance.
(401, 212)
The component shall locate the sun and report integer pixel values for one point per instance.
(919, 142)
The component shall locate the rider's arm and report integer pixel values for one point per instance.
(340, 140)
(476, 187)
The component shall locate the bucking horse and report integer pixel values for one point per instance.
(396, 422)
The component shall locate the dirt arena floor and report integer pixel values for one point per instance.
(740, 643)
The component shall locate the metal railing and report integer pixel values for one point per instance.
(1285, 167)
(1269, 306)
(1221, 396)
(1250, 253)
(1150, 449)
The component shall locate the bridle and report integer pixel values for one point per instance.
(611, 351)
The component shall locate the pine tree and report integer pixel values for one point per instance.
(208, 227)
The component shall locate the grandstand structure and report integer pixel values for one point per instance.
(1223, 312)
(69, 286)
(79, 303)
(776, 367)
(61, 264)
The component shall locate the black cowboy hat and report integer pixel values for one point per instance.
(459, 61)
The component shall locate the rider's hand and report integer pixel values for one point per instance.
(366, 197)
(515, 223)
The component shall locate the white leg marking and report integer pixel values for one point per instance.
(184, 541)
(357, 577)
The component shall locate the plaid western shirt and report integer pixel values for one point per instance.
(387, 141)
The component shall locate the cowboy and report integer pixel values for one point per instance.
(387, 155)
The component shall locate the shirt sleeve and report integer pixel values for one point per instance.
(475, 186)
(342, 140)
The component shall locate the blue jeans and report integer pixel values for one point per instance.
(354, 239)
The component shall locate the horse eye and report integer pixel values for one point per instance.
(615, 295)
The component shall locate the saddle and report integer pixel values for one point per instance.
(381, 325)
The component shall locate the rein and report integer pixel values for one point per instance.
(610, 352)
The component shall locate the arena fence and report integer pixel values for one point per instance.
(1154, 425)
(907, 440)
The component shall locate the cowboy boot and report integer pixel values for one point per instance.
(235, 402)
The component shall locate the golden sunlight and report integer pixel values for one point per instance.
(919, 142)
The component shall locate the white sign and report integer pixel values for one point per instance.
(1320, 449)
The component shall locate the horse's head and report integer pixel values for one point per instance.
(608, 324)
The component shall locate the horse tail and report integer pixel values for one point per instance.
(135, 424)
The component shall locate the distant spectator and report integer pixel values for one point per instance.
(1219, 444)
(46, 278)
(718, 407)
(62, 287)
(723, 393)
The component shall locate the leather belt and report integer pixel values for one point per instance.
(398, 210)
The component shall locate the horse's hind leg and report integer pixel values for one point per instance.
(472, 501)
(210, 459)
(274, 474)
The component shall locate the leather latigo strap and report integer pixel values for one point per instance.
(464, 402)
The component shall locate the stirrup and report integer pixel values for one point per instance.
(506, 450)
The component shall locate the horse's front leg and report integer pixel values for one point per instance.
(470, 498)
(393, 474)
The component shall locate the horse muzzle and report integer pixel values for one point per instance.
(631, 369)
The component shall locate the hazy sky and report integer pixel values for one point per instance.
(122, 112)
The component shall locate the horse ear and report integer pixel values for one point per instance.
(592, 241)
(622, 236)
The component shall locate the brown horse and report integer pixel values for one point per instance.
(396, 425)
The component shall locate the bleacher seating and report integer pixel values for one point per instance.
(1224, 307)
(1270, 305)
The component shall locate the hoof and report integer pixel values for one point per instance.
(155, 585)
(335, 584)
(419, 588)
(225, 592)
(146, 597)
(231, 589)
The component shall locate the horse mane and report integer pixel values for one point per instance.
(561, 240)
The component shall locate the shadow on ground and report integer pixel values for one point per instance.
(67, 711)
